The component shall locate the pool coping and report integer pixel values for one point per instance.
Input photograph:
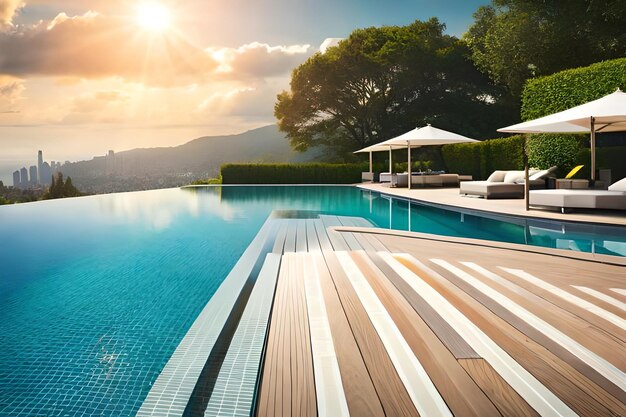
(561, 253)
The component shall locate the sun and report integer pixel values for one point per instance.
(153, 17)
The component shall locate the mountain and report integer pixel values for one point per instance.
(146, 168)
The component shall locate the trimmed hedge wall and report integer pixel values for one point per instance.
(569, 88)
(313, 173)
(561, 91)
(547, 150)
(480, 159)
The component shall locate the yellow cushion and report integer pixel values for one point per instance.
(573, 171)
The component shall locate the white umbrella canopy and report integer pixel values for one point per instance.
(606, 114)
(421, 136)
(427, 135)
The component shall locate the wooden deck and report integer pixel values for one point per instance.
(367, 324)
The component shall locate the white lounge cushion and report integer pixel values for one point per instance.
(497, 176)
(593, 199)
(618, 186)
(513, 176)
(541, 174)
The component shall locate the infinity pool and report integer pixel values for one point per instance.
(97, 292)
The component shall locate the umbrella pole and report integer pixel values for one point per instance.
(390, 172)
(526, 182)
(593, 148)
(371, 165)
(409, 167)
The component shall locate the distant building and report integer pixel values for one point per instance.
(45, 174)
(33, 175)
(39, 165)
(16, 179)
(23, 178)
(110, 162)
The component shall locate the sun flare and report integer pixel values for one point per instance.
(153, 17)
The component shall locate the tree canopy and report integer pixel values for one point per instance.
(381, 82)
(60, 189)
(513, 40)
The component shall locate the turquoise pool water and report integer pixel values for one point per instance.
(97, 292)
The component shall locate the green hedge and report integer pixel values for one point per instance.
(313, 173)
(547, 150)
(569, 88)
(561, 91)
(480, 159)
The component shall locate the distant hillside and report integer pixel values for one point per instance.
(147, 168)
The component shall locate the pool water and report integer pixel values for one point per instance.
(97, 292)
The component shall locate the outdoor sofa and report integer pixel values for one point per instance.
(505, 184)
(612, 199)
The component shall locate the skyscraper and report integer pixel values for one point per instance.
(33, 175)
(39, 164)
(23, 178)
(45, 174)
(16, 179)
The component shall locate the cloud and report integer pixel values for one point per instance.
(98, 101)
(329, 43)
(260, 60)
(94, 46)
(8, 8)
(97, 46)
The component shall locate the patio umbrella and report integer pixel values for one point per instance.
(606, 114)
(425, 136)
(378, 148)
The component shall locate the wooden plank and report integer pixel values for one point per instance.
(448, 336)
(602, 297)
(567, 296)
(358, 387)
(290, 239)
(365, 243)
(336, 239)
(301, 240)
(391, 391)
(608, 347)
(311, 236)
(503, 396)
(378, 245)
(537, 395)
(279, 243)
(322, 237)
(489, 296)
(287, 387)
(331, 398)
(420, 387)
(459, 391)
(353, 244)
(558, 376)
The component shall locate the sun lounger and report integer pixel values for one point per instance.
(612, 199)
(504, 184)
(437, 180)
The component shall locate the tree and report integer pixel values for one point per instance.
(513, 40)
(60, 189)
(381, 82)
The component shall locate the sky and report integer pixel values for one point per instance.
(80, 77)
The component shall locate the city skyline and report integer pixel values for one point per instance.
(106, 78)
(37, 176)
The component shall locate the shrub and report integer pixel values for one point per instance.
(547, 150)
(561, 91)
(569, 88)
(480, 159)
(313, 173)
